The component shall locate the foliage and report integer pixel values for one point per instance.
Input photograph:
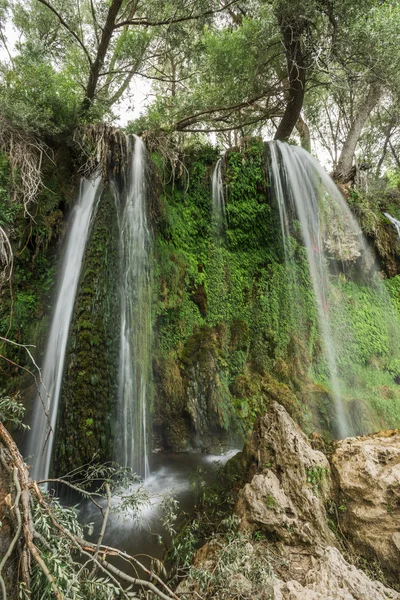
(36, 97)
(12, 412)
(316, 477)
(242, 569)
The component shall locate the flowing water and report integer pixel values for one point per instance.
(139, 532)
(218, 202)
(132, 443)
(330, 234)
(41, 437)
(395, 222)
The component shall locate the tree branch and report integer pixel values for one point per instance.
(187, 121)
(68, 28)
(173, 20)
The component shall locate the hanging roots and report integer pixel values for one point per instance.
(25, 154)
(93, 143)
(169, 149)
(6, 258)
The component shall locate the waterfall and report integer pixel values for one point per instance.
(218, 203)
(132, 442)
(330, 235)
(395, 222)
(41, 438)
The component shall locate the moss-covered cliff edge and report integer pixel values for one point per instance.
(233, 329)
(87, 409)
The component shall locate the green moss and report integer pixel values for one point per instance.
(223, 307)
(232, 308)
(89, 392)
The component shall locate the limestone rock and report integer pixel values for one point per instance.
(367, 473)
(286, 496)
(286, 486)
(333, 578)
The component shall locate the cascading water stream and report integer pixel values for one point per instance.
(303, 188)
(41, 438)
(136, 332)
(395, 222)
(218, 202)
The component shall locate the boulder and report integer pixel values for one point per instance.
(332, 578)
(284, 548)
(287, 494)
(366, 471)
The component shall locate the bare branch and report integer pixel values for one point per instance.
(38, 385)
(103, 527)
(187, 121)
(6, 258)
(19, 526)
(96, 26)
(173, 20)
(68, 28)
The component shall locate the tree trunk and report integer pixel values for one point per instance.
(98, 63)
(304, 133)
(384, 150)
(343, 169)
(297, 78)
(9, 571)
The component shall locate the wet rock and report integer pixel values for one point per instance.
(287, 496)
(367, 473)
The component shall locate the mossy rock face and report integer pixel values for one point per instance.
(222, 305)
(25, 306)
(241, 326)
(90, 390)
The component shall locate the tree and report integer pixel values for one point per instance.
(109, 42)
(55, 558)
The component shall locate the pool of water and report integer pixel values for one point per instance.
(139, 533)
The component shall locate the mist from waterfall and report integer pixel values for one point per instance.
(132, 433)
(330, 235)
(41, 436)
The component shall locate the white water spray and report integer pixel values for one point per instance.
(41, 437)
(328, 230)
(132, 444)
(218, 202)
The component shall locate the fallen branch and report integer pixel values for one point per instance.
(94, 553)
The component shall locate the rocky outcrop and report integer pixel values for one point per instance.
(367, 476)
(331, 577)
(284, 538)
(286, 497)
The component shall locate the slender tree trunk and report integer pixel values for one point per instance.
(384, 150)
(297, 78)
(304, 133)
(98, 63)
(396, 158)
(343, 169)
